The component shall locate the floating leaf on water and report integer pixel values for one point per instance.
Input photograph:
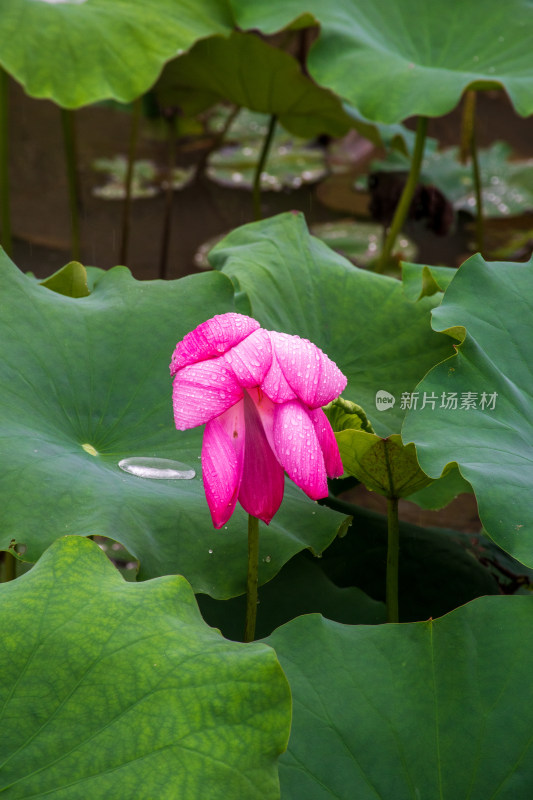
(163, 469)
(360, 241)
(143, 175)
(289, 166)
(146, 181)
(181, 177)
(200, 257)
(247, 125)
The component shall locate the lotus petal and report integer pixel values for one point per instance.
(211, 339)
(263, 481)
(328, 443)
(202, 392)
(309, 372)
(299, 450)
(250, 360)
(222, 462)
(275, 383)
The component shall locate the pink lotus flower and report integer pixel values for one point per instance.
(260, 393)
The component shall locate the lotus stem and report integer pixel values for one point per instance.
(480, 225)
(402, 209)
(467, 125)
(134, 134)
(469, 136)
(393, 552)
(251, 578)
(256, 192)
(7, 242)
(10, 566)
(69, 140)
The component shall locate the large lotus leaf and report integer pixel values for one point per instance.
(441, 492)
(420, 280)
(403, 57)
(251, 73)
(110, 689)
(70, 280)
(442, 708)
(482, 415)
(84, 383)
(76, 52)
(363, 321)
(386, 466)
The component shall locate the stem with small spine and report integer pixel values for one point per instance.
(256, 192)
(470, 146)
(393, 550)
(402, 209)
(251, 578)
(69, 139)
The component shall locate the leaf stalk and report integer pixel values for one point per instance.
(252, 578)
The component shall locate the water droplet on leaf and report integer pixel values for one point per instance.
(156, 468)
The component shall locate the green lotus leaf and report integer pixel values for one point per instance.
(442, 491)
(246, 71)
(396, 59)
(479, 414)
(84, 384)
(113, 689)
(343, 414)
(420, 280)
(70, 280)
(363, 321)
(386, 466)
(251, 74)
(442, 708)
(76, 52)
(383, 465)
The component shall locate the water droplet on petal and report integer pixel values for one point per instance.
(156, 468)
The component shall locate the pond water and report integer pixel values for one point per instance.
(204, 209)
